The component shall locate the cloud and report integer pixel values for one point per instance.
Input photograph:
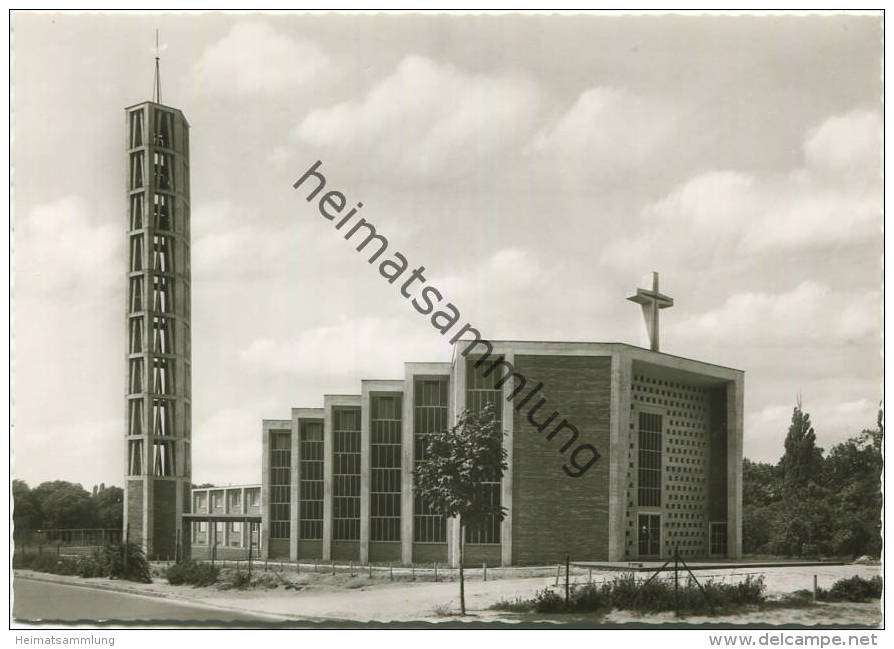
(851, 141)
(253, 58)
(364, 347)
(609, 133)
(724, 212)
(60, 250)
(428, 119)
(810, 313)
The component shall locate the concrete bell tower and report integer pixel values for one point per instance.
(158, 401)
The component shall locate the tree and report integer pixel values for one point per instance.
(802, 461)
(457, 461)
(64, 505)
(108, 503)
(25, 514)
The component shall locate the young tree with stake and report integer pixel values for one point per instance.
(456, 463)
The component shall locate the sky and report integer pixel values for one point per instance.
(539, 167)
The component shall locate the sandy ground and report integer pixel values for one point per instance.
(360, 599)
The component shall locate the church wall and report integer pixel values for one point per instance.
(554, 513)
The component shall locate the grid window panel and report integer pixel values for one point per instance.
(385, 465)
(481, 391)
(650, 427)
(429, 415)
(280, 481)
(346, 474)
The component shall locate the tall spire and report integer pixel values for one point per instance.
(156, 90)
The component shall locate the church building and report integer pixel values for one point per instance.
(614, 452)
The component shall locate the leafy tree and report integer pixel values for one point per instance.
(108, 504)
(802, 461)
(457, 461)
(64, 505)
(25, 514)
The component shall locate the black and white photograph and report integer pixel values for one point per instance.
(446, 320)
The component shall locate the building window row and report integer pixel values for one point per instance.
(346, 474)
(385, 467)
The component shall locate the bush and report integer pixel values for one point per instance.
(135, 568)
(852, 589)
(192, 573)
(548, 601)
(626, 592)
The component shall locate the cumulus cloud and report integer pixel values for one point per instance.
(808, 314)
(850, 141)
(365, 347)
(61, 249)
(609, 132)
(254, 58)
(428, 119)
(729, 211)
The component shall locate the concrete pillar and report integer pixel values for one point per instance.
(621, 376)
(327, 477)
(457, 405)
(294, 493)
(365, 417)
(735, 394)
(407, 460)
(506, 486)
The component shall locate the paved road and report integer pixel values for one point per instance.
(39, 600)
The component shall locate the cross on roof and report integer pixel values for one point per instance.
(651, 302)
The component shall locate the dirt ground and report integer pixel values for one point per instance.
(359, 599)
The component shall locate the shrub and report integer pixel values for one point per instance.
(517, 605)
(192, 573)
(136, 568)
(548, 601)
(852, 589)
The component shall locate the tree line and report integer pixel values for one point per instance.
(810, 503)
(66, 505)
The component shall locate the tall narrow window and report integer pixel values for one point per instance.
(136, 170)
(136, 375)
(136, 335)
(162, 335)
(136, 294)
(163, 463)
(136, 211)
(136, 128)
(482, 390)
(163, 417)
(280, 483)
(136, 252)
(162, 254)
(135, 457)
(162, 375)
(162, 212)
(162, 129)
(429, 415)
(135, 416)
(163, 170)
(385, 450)
(310, 523)
(649, 460)
(162, 294)
(346, 474)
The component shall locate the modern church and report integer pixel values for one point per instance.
(615, 452)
